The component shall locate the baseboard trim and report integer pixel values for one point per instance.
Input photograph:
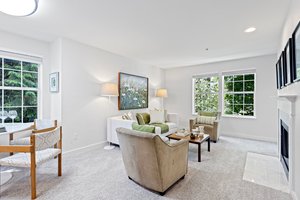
(85, 147)
(251, 137)
(294, 195)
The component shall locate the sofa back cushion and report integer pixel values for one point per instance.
(143, 118)
(205, 120)
(157, 116)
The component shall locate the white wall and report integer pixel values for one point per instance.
(179, 84)
(23, 45)
(56, 65)
(84, 111)
(291, 22)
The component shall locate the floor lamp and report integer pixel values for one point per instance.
(109, 90)
(163, 93)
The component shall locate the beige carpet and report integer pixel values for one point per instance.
(100, 174)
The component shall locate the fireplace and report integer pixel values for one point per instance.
(284, 150)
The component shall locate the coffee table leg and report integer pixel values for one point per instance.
(208, 144)
(199, 152)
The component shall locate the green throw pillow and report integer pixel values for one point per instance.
(143, 118)
(140, 119)
(143, 128)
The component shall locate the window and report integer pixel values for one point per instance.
(239, 95)
(205, 94)
(19, 89)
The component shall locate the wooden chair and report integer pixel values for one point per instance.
(22, 137)
(38, 152)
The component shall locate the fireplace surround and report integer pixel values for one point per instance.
(286, 141)
(284, 147)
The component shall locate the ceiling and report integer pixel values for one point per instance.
(164, 33)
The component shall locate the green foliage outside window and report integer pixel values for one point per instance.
(239, 95)
(206, 94)
(20, 80)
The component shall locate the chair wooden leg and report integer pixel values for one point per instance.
(59, 165)
(33, 179)
(55, 146)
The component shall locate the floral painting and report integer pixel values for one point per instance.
(133, 92)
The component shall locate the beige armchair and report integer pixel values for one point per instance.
(211, 127)
(150, 161)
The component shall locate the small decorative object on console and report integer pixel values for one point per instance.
(193, 136)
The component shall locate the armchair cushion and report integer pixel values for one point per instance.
(208, 114)
(23, 159)
(205, 120)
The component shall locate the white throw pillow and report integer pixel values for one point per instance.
(157, 116)
(205, 120)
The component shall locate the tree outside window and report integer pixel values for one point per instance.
(239, 95)
(206, 94)
(19, 89)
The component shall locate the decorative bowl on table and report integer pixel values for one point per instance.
(193, 136)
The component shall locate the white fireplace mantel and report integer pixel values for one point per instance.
(290, 97)
(287, 112)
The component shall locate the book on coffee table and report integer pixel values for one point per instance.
(182, 134)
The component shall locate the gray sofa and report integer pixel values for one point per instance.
(150, 161)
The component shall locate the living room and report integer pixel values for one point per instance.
(85, 45)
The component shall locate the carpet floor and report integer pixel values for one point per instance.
(99, 174)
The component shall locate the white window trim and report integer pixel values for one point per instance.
(24, 58)
(254, 93)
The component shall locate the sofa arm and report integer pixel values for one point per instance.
(192, 123)
(173, 117)
(157, 130)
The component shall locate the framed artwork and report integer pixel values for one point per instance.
(278, 75)
(133, 91)
(282, 71)
(288, 63)
(296, 53)
(54, 82)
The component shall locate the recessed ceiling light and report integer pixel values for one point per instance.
(18, 7)
(250, 30)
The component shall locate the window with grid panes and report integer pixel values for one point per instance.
(239, 95)
(19, 89)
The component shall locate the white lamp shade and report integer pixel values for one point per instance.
(161, 92)
(18, 7)
(109, 89)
